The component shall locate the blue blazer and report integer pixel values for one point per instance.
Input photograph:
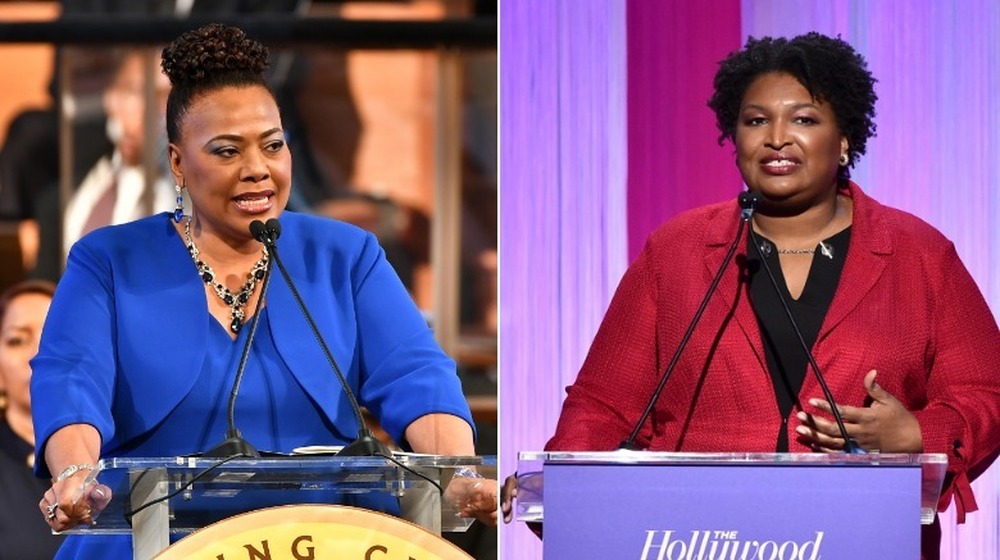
(118, 351)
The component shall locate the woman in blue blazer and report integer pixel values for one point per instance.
(146, 330)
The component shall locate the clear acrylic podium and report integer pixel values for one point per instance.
(242, 485)
(648, 505)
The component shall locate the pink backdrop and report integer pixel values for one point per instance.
(675, 162)
(562, 218)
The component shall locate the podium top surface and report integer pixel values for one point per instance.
(532, 466)
(304, 462)
(625, 457)
(197, 491)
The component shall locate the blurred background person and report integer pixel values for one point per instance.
(23, 536)
(3, 395)
(113, 190)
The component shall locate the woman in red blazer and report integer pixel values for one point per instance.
(895, 322)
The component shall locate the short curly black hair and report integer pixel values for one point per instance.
(205, 59)
(829, 68)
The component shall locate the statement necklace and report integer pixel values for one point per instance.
(824, 249)
(237, 301)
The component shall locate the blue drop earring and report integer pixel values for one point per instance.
(179, 209)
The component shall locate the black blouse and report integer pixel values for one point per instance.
(24, 535)
(786, 360)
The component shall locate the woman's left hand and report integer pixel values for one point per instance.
(474, 497)
(885, 425)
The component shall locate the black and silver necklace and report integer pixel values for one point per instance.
(238, 301)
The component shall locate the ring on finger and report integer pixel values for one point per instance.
(50, 511)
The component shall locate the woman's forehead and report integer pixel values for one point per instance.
(232, 110)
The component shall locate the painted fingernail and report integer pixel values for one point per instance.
(813, 402)
(802, 430)
(802, 416)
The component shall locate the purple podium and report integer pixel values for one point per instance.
(715, 506)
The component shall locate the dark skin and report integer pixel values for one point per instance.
(507, 496)
(884, 425)
(788, 147)
(235, 167)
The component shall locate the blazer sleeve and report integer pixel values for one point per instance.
(404, 373)
(962, 416)
(73, 375)
(619, 373)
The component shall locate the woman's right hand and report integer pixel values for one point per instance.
(507, 495)
(60, 510)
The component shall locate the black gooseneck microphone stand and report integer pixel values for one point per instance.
(747, 206)
(365, 444)
(234, 443)
(851, 447)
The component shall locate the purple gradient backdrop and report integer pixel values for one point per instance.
(566, 151)
(563, 242)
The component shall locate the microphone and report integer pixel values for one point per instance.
(365, 445)
(260, 232)
(748, 203)
(234, 443)
(851, 447)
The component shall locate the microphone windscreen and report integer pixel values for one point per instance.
(749, 200)
(258, 230)
(274, 226)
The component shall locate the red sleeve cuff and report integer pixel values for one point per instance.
(961, 490)
(942, 431)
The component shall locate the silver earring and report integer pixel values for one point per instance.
(179, 209)
(844, 160)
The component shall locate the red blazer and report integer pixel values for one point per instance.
(905, 305)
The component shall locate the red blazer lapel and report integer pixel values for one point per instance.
(866, 260)
(732, 289)
(843, 366)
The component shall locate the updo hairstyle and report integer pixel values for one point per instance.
(206, 59)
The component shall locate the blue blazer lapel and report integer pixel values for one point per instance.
(165, 313)
(312, 271)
